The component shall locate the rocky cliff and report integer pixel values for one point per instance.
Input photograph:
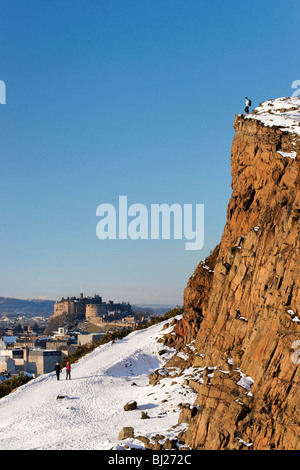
(241, 305)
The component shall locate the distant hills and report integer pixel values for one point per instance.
(30, 307)
(154, 308)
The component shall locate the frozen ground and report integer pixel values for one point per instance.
(281, 112)
(91, 414)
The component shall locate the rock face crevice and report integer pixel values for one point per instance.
(242, 304)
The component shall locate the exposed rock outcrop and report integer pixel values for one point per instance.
(126, 433)
(242, 303)
(131, 405)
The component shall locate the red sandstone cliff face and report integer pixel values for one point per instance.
(242, 304)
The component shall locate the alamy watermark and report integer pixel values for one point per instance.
(2, 92)
(163, 222)
(296, 84)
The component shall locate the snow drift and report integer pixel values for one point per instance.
(91, 412)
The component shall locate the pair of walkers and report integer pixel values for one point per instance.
(57, 369)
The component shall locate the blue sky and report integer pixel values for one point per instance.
(125, 97)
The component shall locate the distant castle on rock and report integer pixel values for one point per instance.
(90, 308)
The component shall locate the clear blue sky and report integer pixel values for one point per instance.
(125, 97)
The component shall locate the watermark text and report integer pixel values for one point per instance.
(2, 92)
(163, 222)
(296, 84)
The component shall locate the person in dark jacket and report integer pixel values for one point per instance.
(57, 369)
(247, 104)
(68, 371)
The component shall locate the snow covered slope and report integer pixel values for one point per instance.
(281, 112)
(91, 414)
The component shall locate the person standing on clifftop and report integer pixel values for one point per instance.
(247, 104)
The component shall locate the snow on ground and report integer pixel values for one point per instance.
(91, 414)
(281, 112)
(288, 154)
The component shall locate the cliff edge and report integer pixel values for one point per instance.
(241, 305)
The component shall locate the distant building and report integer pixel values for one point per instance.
(33, 361)
(41, 361)
(85, 338)
(90, 308)
(55, 344)
(8, 341)
(7, 364)
(62, 331)
(67, 350)
(12, 360)
(25, 343)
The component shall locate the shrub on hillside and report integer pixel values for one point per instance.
(11, 384)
